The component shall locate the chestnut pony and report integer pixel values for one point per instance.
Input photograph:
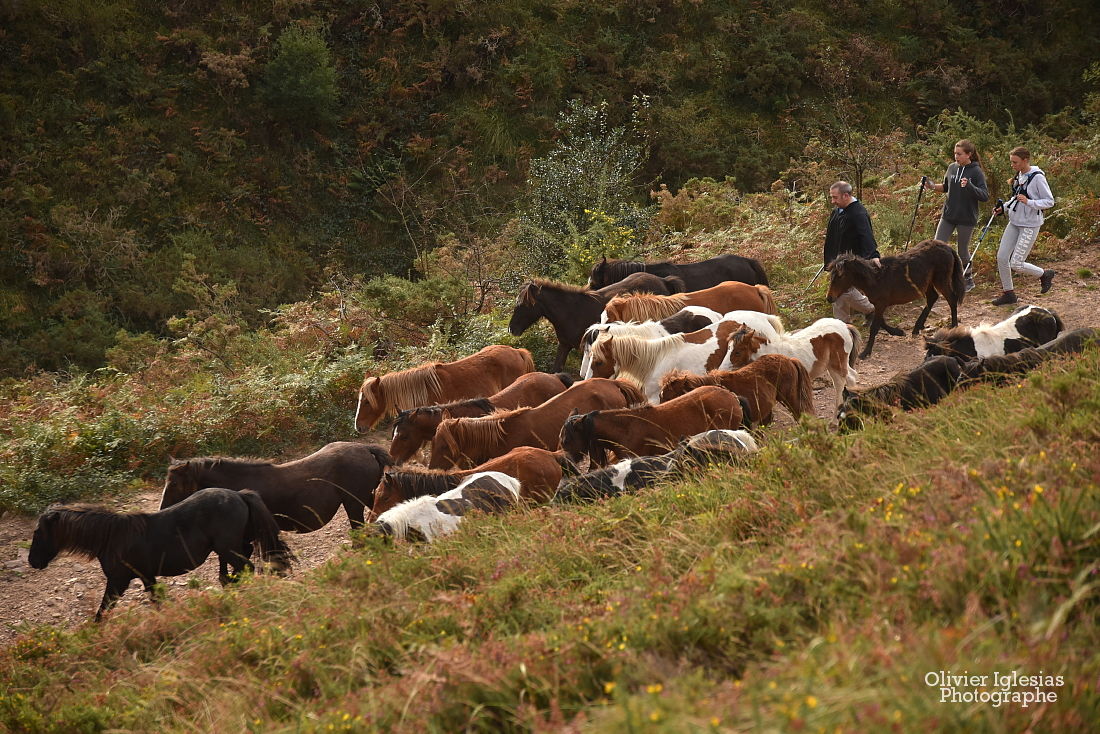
(539, 471)
(476, 376)
(415, 426)
(650, 429)
(827, 346)
(770, 379)
(466, 442)
(931, 269)
(723, 298)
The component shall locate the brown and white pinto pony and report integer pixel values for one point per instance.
(827, 346)
(650, 429)
(645, 361)
(723, 298)
(476, 376)
(465, 442)
(414, 427)
(770, 379)
(539, 472)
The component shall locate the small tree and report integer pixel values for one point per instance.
(582, 190)
(299, 83)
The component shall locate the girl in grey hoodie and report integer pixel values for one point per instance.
(965, 186)
(1030, 196)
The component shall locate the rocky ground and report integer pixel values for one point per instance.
(68, 592)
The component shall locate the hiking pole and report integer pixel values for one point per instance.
(819, 272)
(985, 231)
(920, 193)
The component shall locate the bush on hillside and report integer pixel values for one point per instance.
(299, 83)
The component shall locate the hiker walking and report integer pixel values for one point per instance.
(1030, 196)
(849, 230)
(964, 184)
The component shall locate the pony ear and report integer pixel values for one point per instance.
(574, 412)
(604, 260)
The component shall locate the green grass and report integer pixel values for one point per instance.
(810, 589)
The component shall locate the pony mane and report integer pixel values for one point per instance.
(92, 531)
(484, 430)
(616, 270)
(645, 306)
(634, 356)
(421, 482)
(213, 462)
(852, 263)
(480, 403)
(690, 379)
(406, 389)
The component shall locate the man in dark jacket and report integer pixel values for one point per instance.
(849, 230)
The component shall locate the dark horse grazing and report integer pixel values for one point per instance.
(571, 310)
(303, 495)
(413, 427)
(144, 545)
(696, 276)
(926, 385)
(930, 269)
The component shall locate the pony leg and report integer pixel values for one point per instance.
(116, 587)
(876, 324)
(930, 299)
(559, 358)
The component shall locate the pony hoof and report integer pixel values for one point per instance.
(865, 354)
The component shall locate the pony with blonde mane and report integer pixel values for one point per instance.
(723, 298)
(645, 361)
(476, 376)
(464, 442)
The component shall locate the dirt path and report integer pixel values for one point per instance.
(68, 592)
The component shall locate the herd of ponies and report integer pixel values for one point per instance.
(681, 365)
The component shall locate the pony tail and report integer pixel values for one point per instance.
(528, 360)
(805, 389)
(566, 378)
(632, 393)
(857, 341)
(768, 299)
(265, 531)
(381, 456)
(675, 284)
(958, 282)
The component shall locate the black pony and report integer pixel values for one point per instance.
(1072, 341)
(926, 385)
(696, 276)
(930, 269)
(571, 309)
(144, 545)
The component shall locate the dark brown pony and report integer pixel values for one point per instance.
(414, 427)
(465, 442)
(538, 470)
(650, 429)
(476, 376)
(696, 276)
(930, 269)
(926, 385)
(723, 298)
(144, 545)
(303, 495)
(571, 310)
(762, 383)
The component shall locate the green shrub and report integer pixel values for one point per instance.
(299, 83)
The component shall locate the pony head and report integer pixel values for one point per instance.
(573, 437)
(370, 408)
(181, 482)
(601, 357)
(44, 547)
(598, 277)
(744, 343)
(840, 276)
(528, 309)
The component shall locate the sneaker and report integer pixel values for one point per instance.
(969, 284)
(1045, 280)
(1005, 299)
